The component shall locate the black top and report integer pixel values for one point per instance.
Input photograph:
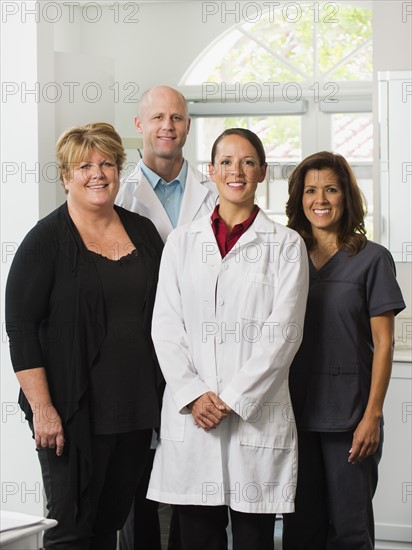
(330, 376)
(121, 398)
(56, 318)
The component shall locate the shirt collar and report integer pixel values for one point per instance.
(216, 219)
(215, 216)
(154, 179)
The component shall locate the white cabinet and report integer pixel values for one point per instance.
(393, 500)
(23, 532)
(395, 123)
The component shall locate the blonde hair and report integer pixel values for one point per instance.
(77, 142)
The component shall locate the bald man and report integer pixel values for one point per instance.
(166, 189)
(163, 186)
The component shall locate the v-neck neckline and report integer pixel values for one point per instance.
(318, 271)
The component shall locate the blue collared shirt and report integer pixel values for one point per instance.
(170, 193)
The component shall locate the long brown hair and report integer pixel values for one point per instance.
(352, 232)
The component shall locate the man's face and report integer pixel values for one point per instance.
(163, 123)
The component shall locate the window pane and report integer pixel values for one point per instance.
(364, 178)
(248, 61)
(295, 41)
(281, 135)
(344, 30)
(352, 136)
(276, 192)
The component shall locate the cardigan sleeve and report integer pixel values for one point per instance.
(28, 290)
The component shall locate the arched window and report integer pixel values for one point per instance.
(298, 42)
(300, 76)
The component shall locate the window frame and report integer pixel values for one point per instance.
(316, 122)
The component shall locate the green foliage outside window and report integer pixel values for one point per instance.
(269, 51)
(280, 135)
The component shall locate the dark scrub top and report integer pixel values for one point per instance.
(330, 376)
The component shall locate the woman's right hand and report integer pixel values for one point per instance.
(48, 428)
(47, 424)
(208, 411)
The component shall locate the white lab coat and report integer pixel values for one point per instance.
(231, 326)
(136, 194)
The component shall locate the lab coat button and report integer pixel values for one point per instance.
(220, 302)
(225, 266)
(218, 340)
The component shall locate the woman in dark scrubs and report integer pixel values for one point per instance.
(340, 375)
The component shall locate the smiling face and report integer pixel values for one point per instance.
(236, 171)
(323, 200)
(164, 124)
(93, 181)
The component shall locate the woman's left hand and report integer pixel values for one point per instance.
(368, 433)
(365, 440)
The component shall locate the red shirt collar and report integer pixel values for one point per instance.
(227, 242)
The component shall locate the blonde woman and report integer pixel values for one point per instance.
(78, 309)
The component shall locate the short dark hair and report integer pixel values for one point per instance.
(352, 232)
(250, 136)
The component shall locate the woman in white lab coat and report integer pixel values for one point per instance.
(227, 323)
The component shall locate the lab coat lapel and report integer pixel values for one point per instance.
(153, 208)
(208, 249)
(262, 224)
(204, 249)
(193, 197)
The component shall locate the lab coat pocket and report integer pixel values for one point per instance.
(257, 296)
(272, 425)
(173, 423)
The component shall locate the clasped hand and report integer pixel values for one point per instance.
(209, 410)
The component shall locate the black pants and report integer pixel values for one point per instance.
(333, 505)
(204, 528)
(119, 461)
(174, 530)
(142, 528)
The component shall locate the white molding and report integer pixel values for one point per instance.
(263, 108)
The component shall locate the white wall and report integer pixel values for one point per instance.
(32, 119)
(26, 146)
(392, 51)
(153, 45)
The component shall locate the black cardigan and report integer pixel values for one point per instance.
(55, 318)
